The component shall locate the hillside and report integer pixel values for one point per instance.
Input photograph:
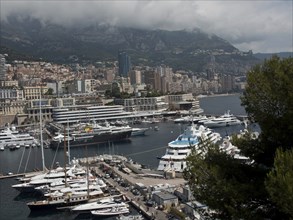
(193, 50)
(263, 56)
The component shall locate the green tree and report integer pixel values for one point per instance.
(108, 94)
(50, 91)
(280, 181)
(268, 100)
(116, 90)
(232, 188)
(237, 189)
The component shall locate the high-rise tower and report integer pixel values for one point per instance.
(124, 64)
(2, 68)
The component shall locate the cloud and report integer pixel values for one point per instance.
(263, 26)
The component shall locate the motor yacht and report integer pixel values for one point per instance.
(105, 203)
(226, 119)
(119, 210)
(177, 150)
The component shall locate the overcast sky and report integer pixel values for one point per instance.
(259, 25)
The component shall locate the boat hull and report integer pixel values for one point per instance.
(221, 124)
(42, 205)
(96, 139)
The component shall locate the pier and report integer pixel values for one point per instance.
(136, 175)
(136, 201)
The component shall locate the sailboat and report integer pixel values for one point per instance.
(69, 197)
(26, 186)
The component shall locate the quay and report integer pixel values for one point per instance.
(135, 175)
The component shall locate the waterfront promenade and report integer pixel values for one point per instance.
(138, 201)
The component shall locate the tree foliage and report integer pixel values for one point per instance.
(50, 91)
(229, 186)
(268, 100)
(280, 181)
(236, 189)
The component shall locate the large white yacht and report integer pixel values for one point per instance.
(104, 203)
(226, 119)
(177, 150)
(10, 136)
(120, 210)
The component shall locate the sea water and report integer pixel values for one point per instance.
(143, 149)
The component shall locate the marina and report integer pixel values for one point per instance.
(142, 150)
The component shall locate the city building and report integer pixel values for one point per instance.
(34, 92)
(37, 108)
(227, 82)
(109, 75)
(143, 104)
(135, 77)
(2, 68)
(86, 113)
(78, 86)
(165, 199)
(124, 64)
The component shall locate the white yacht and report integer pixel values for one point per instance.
(61, 200)
(119, 210)
(49, 177)
(77, 189)
(105, 203)
(11, 137)
(233, 150)
(226, 119)
(138, 131)
(177, 150)
(191, 119)
(130, 217)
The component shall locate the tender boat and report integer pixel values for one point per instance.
(138, 131)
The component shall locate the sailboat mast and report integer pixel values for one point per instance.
(41, 131)
(87, 173)
(65, 157)
(68, 146)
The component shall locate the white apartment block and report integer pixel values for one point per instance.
(143, 104)
(34, 92)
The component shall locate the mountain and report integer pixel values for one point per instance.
(186, 50)
(263, 56)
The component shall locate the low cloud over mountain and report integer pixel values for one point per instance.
(263, 26)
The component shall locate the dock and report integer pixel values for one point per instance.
(132, 178)
(136, 201)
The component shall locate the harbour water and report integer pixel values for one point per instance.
(143, 149)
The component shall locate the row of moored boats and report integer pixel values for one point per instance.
(227, 119)
(194, 137)
(80, 134)
(72, 188)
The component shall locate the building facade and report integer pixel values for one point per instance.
(124, 64)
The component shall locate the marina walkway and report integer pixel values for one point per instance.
(138, 201)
